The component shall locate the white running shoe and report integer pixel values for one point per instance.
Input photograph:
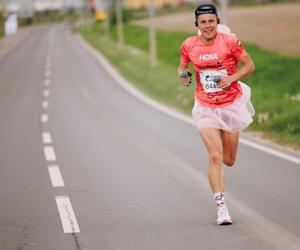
(223, 216)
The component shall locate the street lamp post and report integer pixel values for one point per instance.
(152, 27)
(224, 11)
(106, 22)
(120, 29)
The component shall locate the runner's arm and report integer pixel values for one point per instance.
(183, 66)
(246, 68)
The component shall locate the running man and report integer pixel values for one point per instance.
(222, 104)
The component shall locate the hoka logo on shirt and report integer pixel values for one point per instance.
(207, 57)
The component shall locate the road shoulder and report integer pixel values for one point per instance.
(9, 43)
(253, 139)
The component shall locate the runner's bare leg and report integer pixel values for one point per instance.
(213, 142)
(230, 147)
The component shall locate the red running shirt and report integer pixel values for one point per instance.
(211, 60)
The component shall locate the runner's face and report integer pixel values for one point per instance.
(207, 24)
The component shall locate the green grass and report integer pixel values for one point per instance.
(51, 17)
(1, 24)
(160, 82)
(166, 10)
(273, 84)
(1, 32)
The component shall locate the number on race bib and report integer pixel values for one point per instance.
(210, 79)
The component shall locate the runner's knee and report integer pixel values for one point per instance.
(229, 161)
(216, 157)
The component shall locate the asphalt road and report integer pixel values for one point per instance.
(85, 165)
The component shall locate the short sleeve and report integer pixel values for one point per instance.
(184, 56)
(237, 48)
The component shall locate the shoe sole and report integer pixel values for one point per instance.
(225, 223)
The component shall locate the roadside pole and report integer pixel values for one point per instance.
(120, 28)
(152, 27)
(224, 11)
(106, 22)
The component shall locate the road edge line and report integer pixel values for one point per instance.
(163, 108)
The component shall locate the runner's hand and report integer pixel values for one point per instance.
(186, 78)
(225, 82)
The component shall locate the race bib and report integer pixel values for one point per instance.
(209, 80)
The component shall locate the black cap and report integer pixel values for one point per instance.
(206, 9)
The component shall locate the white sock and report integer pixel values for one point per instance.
(219, 199)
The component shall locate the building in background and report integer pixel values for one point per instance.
(137, 4)
(28, 7)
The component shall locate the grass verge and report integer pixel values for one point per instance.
(275, 84)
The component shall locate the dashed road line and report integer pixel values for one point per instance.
(46, 93)
(44, 118)
(55, 176)
(49, 153)
(47, 82)
(46, 138)
(67, 215)
(45, 104)
(47, 73)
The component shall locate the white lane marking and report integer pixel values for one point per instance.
(47, 73)
(49, 153)
(67, 215)
(167, 110)
(46, 93)
(45, 104)
(44, 118)
(270, 151)
(47, 82)
(46, 138)
(130, 88)
(55, 176)
(274, 234)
